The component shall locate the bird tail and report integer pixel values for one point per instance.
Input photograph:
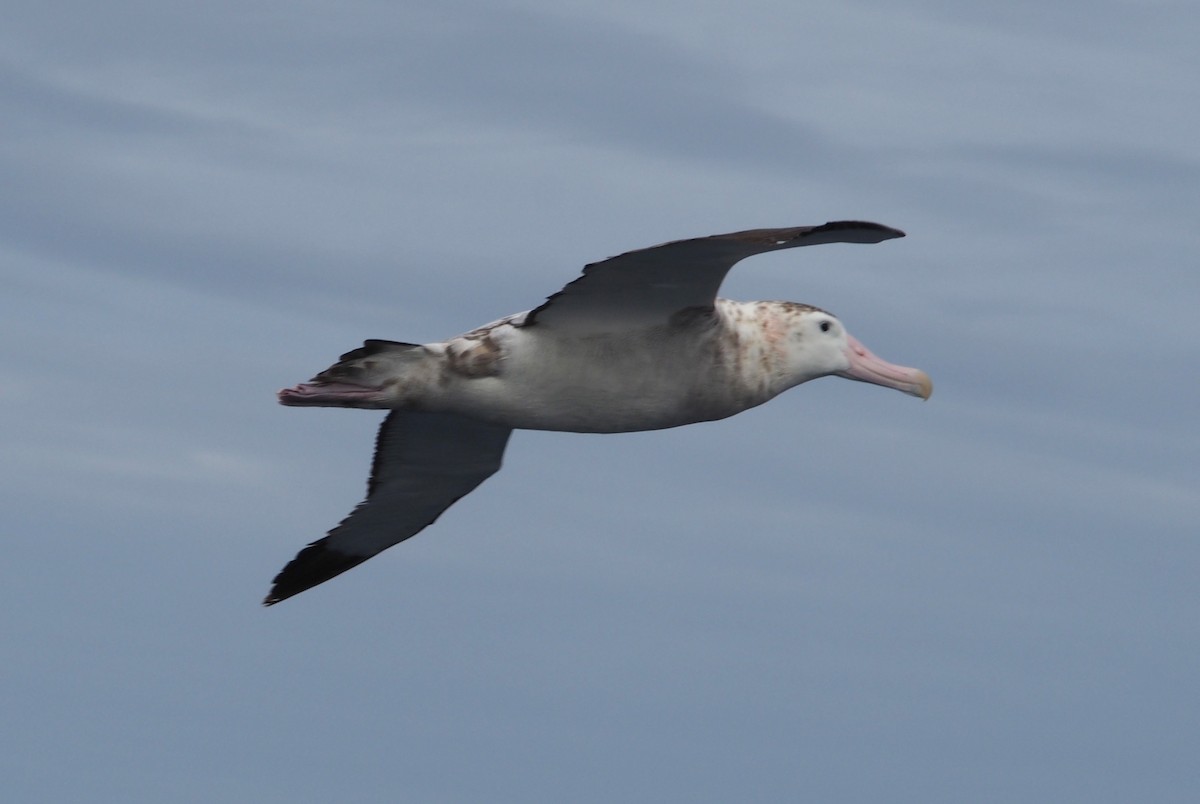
(362, 378)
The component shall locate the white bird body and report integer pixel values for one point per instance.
(639, 342)
(590, 383)
(702, 367)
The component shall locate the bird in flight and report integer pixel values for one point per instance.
(640, 341)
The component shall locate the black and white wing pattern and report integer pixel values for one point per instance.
(645, 287)
(424, 462)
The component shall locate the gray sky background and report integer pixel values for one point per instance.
(844, 596)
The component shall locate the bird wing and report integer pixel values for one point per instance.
(423, 463)
(648, 285)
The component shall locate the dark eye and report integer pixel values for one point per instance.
(825, 326)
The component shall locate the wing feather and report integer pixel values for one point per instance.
(648, 285)
(424, 463)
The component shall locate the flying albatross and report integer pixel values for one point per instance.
(638, 342)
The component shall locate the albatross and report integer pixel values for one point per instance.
(640, 341)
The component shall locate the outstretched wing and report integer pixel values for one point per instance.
(648, 285)
(423, 463)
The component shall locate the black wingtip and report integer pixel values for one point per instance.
(872, 232)
(313, 565)
(829, 232)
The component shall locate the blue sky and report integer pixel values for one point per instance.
(845, 595)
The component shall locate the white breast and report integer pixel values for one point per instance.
(695, 369)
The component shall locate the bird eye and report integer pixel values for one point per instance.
(826, 326)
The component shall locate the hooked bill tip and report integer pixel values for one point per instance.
(923, 385)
